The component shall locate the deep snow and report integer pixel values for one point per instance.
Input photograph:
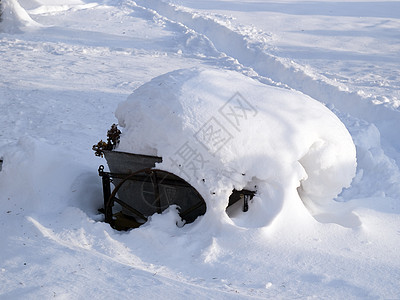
(67, 65)
(221, 130)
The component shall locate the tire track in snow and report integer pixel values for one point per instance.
(235, 45)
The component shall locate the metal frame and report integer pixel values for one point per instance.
(109, 197)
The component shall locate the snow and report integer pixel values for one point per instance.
(15, 18)
(66, 67)
(205, 121)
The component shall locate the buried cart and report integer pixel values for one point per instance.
(143, 190)
(140, 190)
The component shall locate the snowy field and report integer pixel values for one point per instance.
(325, 75)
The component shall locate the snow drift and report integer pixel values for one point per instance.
(221, 130)
(14, 17)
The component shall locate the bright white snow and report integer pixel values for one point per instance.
(221, 130)
(66, 65)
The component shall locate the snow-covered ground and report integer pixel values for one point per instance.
(66, 65)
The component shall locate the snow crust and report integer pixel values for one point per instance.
(221, 130)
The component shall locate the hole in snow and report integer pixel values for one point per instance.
(239, 202)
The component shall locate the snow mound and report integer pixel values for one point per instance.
(14, 17)
(221, 130)
(54, 6)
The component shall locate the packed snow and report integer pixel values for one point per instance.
(322, 76)
(221, 130)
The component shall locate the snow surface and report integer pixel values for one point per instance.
(221, 130)
(67, 65)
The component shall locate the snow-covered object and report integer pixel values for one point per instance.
(14, 17)
(221, 130)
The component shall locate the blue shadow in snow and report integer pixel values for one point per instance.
(376, 9)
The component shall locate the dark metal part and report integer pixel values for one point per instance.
(128, 207)
(106, 193)
(110, 201)
(245, 203)
(143, 190)
(245, 195)
(189, 210)
(157, 197)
